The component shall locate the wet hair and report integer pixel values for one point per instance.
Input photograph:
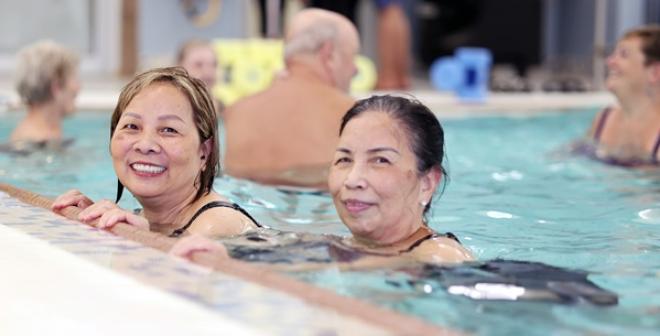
(204, 114)
(39, 66)
(189, 45)
(423, 130)
(650, 42)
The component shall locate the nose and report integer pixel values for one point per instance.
(610, 60)
(147, 143)
(355, 179)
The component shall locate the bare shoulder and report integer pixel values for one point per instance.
(441, 250)
(221, 221)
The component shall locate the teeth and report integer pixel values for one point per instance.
(145, 168)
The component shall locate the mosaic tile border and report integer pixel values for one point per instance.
(259, 301)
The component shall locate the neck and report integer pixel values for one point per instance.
(395, 240)
(308, 68)
(399, 246)
(47, 118)
(640, 104)
(166, 213)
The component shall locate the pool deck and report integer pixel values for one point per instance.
(100, 94)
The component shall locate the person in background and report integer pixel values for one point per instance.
(286, 133)
(199, 58)
(164, 148)
(393, 35)
(47, 83)
(386, 170)
(628, 133)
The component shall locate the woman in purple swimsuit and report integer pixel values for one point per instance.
(628, 134)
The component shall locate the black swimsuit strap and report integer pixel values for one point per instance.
(431, 236)
(209, 205)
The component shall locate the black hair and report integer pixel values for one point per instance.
(424, 132)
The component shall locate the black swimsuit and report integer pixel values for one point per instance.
(214, 204)
(302, 247)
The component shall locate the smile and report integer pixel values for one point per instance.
(355, 206)
(149, 169)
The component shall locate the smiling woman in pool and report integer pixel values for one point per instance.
(386, 169)
(628, 133)
(165, 152)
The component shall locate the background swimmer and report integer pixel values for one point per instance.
(199, 58)
(47, 83)
(629, 133)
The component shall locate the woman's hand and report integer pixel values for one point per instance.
(109, 214)
(187, 246)
(73, 198)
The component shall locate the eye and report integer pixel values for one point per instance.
(129, 126)
(169, 130)
(342, 160)
(382, 160)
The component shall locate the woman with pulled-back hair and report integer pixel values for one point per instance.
(386, 169)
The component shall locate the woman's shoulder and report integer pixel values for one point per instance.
(600, 120)
(216, 216)
(442, 248)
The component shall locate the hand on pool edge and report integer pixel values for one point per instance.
(186, 247)
(112, 217)
(72, 197)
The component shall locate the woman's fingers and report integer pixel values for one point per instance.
(190, 245)
(96, 210)
(110, 218)
(72, 197)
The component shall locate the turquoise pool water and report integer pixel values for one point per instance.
(513, 194)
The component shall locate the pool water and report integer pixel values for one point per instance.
(513, 193)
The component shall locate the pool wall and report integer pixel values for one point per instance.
(250, 298)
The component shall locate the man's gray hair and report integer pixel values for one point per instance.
(39, 66)
(311, 39)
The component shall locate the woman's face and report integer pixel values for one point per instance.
(374, 181)
(201, 63)
(626, 70)
(156, 149)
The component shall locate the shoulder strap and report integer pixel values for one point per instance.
(209, 205)
(656, 148)
(601, 123)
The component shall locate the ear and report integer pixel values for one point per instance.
(654, 73)
(204, 152)
(327, 51)
(55, 88)
(429, 183)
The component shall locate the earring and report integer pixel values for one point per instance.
(422, 203)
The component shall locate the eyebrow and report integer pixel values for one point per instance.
(163, 117)
(371, 151)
